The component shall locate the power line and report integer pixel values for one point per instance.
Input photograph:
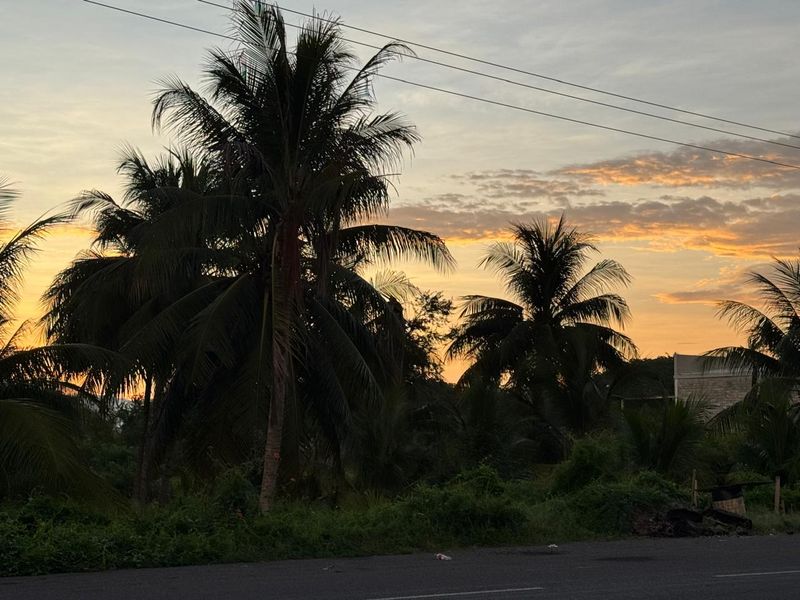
(589, 123)
(537, 75)
(522, 84)
(472, 97)
(160, 20)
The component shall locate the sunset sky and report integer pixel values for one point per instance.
(78, 82)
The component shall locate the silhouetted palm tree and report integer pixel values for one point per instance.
(773, 331)
(768, 415)
(38, 410)
(105, 296)
(559, 330)
(294, 131)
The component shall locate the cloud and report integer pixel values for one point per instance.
(454, 225)
(525, 183)
(488, 201)
(482, 204)
(731, 284)
(709, 296)
(689, 167)
(758, 227)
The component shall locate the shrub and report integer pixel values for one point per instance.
(471, 508)
(455, 515)
(666, 439)
(482, 480)
(233, 492)
(611, 507)
(599, 457)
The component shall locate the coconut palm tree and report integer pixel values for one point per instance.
(104, 297)
(558, 330)
(772, 353)
(295, 133)
(769, 414)
(769, 420)
(773, 330)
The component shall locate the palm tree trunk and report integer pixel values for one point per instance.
(290, 445)
(140, 484)
(272, 447)
(285, 284)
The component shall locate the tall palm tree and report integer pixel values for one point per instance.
(560, 328)
(295, 133)
(103, 299)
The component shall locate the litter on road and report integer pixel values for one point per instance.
(442, 557)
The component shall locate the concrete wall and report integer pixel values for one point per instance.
(696, 377)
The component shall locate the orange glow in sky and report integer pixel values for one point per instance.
(685, 223)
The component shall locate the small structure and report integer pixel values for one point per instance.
(729, 498)
(700, 377)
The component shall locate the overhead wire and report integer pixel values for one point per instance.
(470, 96)
(533, 73)
(520, 83)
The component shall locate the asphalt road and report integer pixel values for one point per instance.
(752, 568)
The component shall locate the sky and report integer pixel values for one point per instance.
(78, 82)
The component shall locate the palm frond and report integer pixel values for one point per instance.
(387, 243)
(15, 254)
(394, 284)
(37, 447)
(352, 370)
(604, 275)
(8, 195)
(605, 308)
(763, 331)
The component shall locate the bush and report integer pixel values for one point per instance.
(599, 457)
(471, 508)
(791, 498)
(482, 481)
(234, 493)
(611, 507)
(718, 455)
(763, 496)
(454, 515)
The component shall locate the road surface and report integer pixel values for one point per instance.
(708, 568)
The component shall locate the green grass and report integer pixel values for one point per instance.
(45, 535)
(766, 522)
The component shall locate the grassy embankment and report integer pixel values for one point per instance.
(44, 535)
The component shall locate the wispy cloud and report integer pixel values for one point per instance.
(688, 167)
(731, 284)
(525, 183)
(758, 227)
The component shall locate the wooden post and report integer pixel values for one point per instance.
(694, 488)
(777, 494)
